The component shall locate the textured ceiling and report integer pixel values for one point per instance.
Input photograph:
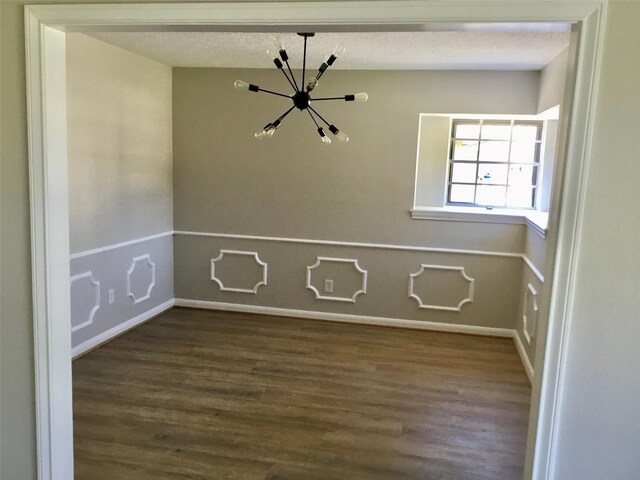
(465, 50)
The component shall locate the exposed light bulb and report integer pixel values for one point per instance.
(241, 85)
(277, 41)
(361, 97)
(338, 50)
(273, 53)
(260, 135)
(313, 83)
(326, 140)
(342, 137)
(269, 131)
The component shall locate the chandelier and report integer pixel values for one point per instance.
(302, 93)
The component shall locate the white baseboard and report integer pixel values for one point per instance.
(119, 329)
(347, 318)
(523, 355)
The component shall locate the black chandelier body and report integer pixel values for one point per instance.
(302, 94)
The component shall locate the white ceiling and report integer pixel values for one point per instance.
(433, 50)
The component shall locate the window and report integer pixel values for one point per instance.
(494, 163)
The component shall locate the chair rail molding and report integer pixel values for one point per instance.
(96, 287)
(254, 290)
(45, 27)
(146, 258)
(421, 304)
(361, 291)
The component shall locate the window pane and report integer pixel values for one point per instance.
(490, 195)
(523, 152)
(463, 172)
(492, 173)
(466, 130)
(464, 150)
(520, 196)
(497, 131)
(461, 193)
(525, 133)
(494, 151)
(523, 175)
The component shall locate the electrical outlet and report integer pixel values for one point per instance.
(328, 285)
(112, 296)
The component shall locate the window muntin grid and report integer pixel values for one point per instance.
(494, 163)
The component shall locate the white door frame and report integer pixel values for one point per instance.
(46, 89)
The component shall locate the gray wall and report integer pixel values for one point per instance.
(120, 185)
(552, 82)
(294, 186)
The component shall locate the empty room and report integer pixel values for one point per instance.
(324, 272)
(319, 240)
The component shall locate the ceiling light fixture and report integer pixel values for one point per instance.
(301, 97)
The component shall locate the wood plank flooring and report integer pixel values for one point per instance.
(214, 395)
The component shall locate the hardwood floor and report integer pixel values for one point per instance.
(213, 395)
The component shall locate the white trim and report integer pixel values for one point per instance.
(533, 219)
(48, 189)
(120, 329)
(469, 214)
(354, 262)
(533, 294)
(533, 268)
(338, 243)
(538, 222)
(347, 318)
(46, 121)
(423, 267)
(524, 358)
(255, 288)
(114, 246)
(96, 306)
(152, 283)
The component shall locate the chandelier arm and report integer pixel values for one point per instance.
(330, 98)
(281, 117)
(274, 93)
(313, 118)
(292, 76)
(287, 77)
(319, 116)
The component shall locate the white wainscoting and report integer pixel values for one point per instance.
(526, 363)
(262, 265)
(467, 297)
(353, 262)
(347, 318)
(92, 294)
(530, 313)
(118, 330)
(146, 263)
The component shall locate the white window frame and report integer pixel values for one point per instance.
(537, 164)
(536, 220)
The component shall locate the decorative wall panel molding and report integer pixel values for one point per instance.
(467, 299)
(263, 266)
(141, 262)
(90, 289)
(352, 299)
(530, 313)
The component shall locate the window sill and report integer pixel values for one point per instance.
(536, 221)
